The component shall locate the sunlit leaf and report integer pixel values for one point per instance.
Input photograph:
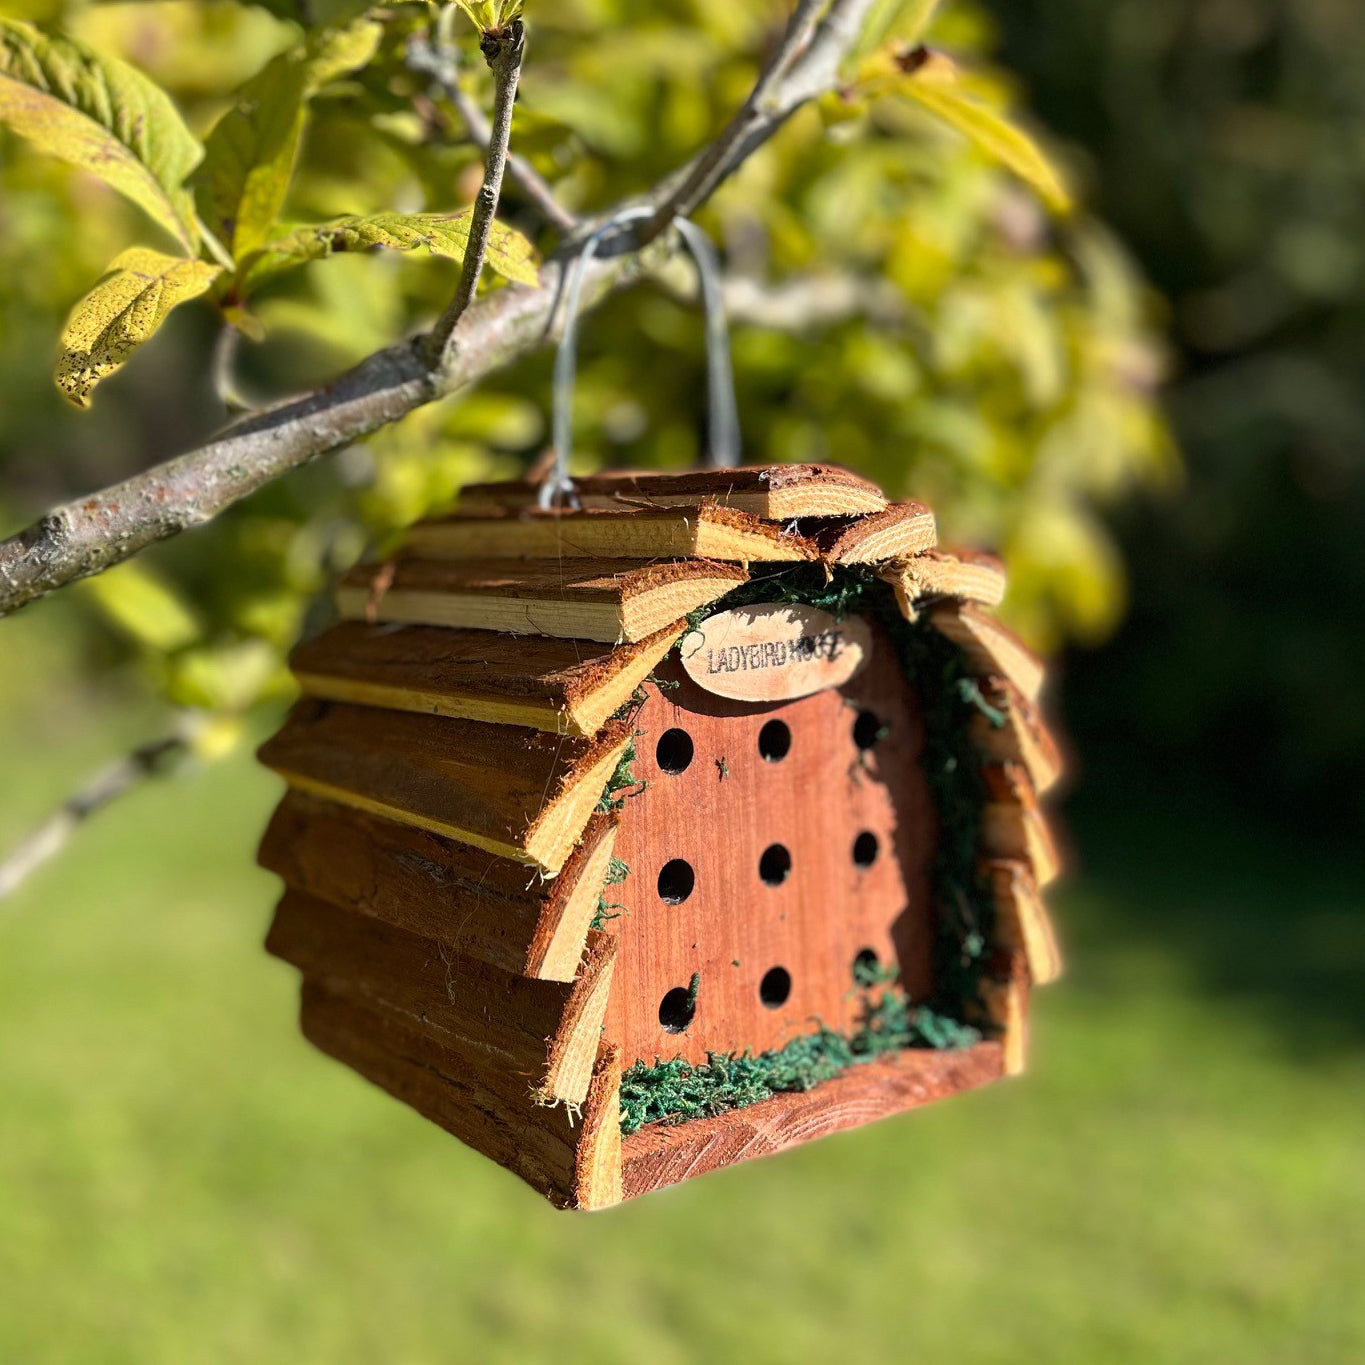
(491, 16)
(443, 234)
(144, 606)
(121, 312)
(102, 115)
(250, 154)
(932, 81)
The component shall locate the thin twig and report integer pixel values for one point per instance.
(503, 52)
(93, 533)
(438, 61)
(45, 842)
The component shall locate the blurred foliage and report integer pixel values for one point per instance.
(1229, 148)
(1009, 382)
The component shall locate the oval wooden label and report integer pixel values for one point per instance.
(775, 652)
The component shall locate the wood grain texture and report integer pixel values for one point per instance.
(481, 906)
(988, 647)
(1007, 1009)
(1024, 925)
(903, 529)
(519, 793)
(660, 1155)
(705, 532)
(1023, 738)
(1013, 825)
(545, 1032)
(773, 492)
(586, 599)
(567, 1155)
(935, 573)
(566, 686)
(719, 814)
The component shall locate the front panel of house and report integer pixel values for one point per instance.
(773, 847)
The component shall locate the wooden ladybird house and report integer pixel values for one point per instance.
(635, 841)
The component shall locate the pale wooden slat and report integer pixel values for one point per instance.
(773, 492)
(989, 648)
(1022, 738)
(935, 573)
(519, 793)
(566, 686)
(483, 906)
(1025, 925)
(1012, 822)
(589, 599)
(705, 532)
(903, 529)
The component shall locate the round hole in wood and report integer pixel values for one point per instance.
(674, 751)
(866, 967)
(775, 740)
(676, 880)
(775, 987)
(867, 730)
(676, 1009)
(775, 865)
(865, 848)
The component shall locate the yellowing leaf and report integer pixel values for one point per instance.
(102, 115)
(121, 312)
(443, 234)
(934, 87)
(250, 154)
(144, 606)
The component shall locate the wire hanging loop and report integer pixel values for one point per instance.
(723, 439)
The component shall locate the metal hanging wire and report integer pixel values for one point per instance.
(723, 445)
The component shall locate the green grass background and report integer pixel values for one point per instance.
(1179, 1177)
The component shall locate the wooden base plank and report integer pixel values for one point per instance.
(494, 909)
(580, 599)
(521, 794)
(898, 531)
(570, 1157)
(773, 492)
(566, 686)
(661, 1155)
(705, 532)
(989, 648)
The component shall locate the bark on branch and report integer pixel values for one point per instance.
(91, 534)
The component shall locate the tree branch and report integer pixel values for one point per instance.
(94, 533)
(503, 53)
(147, 760)
(437, 61)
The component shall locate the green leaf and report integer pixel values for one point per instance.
(931, 80)
(443, 234)
(144, 606)
(250, 154)
(121, 312)
(102, 115)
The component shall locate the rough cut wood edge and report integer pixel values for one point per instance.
(705, 532)
(1023, 738)
(606, 600)
(544, 1031)
(1025, 927)
(562, 686)
(485, 907)
(773, 492)
(988, 647)
(518, 793)
(660, 1155)
(1007, 1008)
(901, 530)
(565, 1153)
(1012, 822)
(935, 574)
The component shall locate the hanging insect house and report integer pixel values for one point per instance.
(678, 821)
